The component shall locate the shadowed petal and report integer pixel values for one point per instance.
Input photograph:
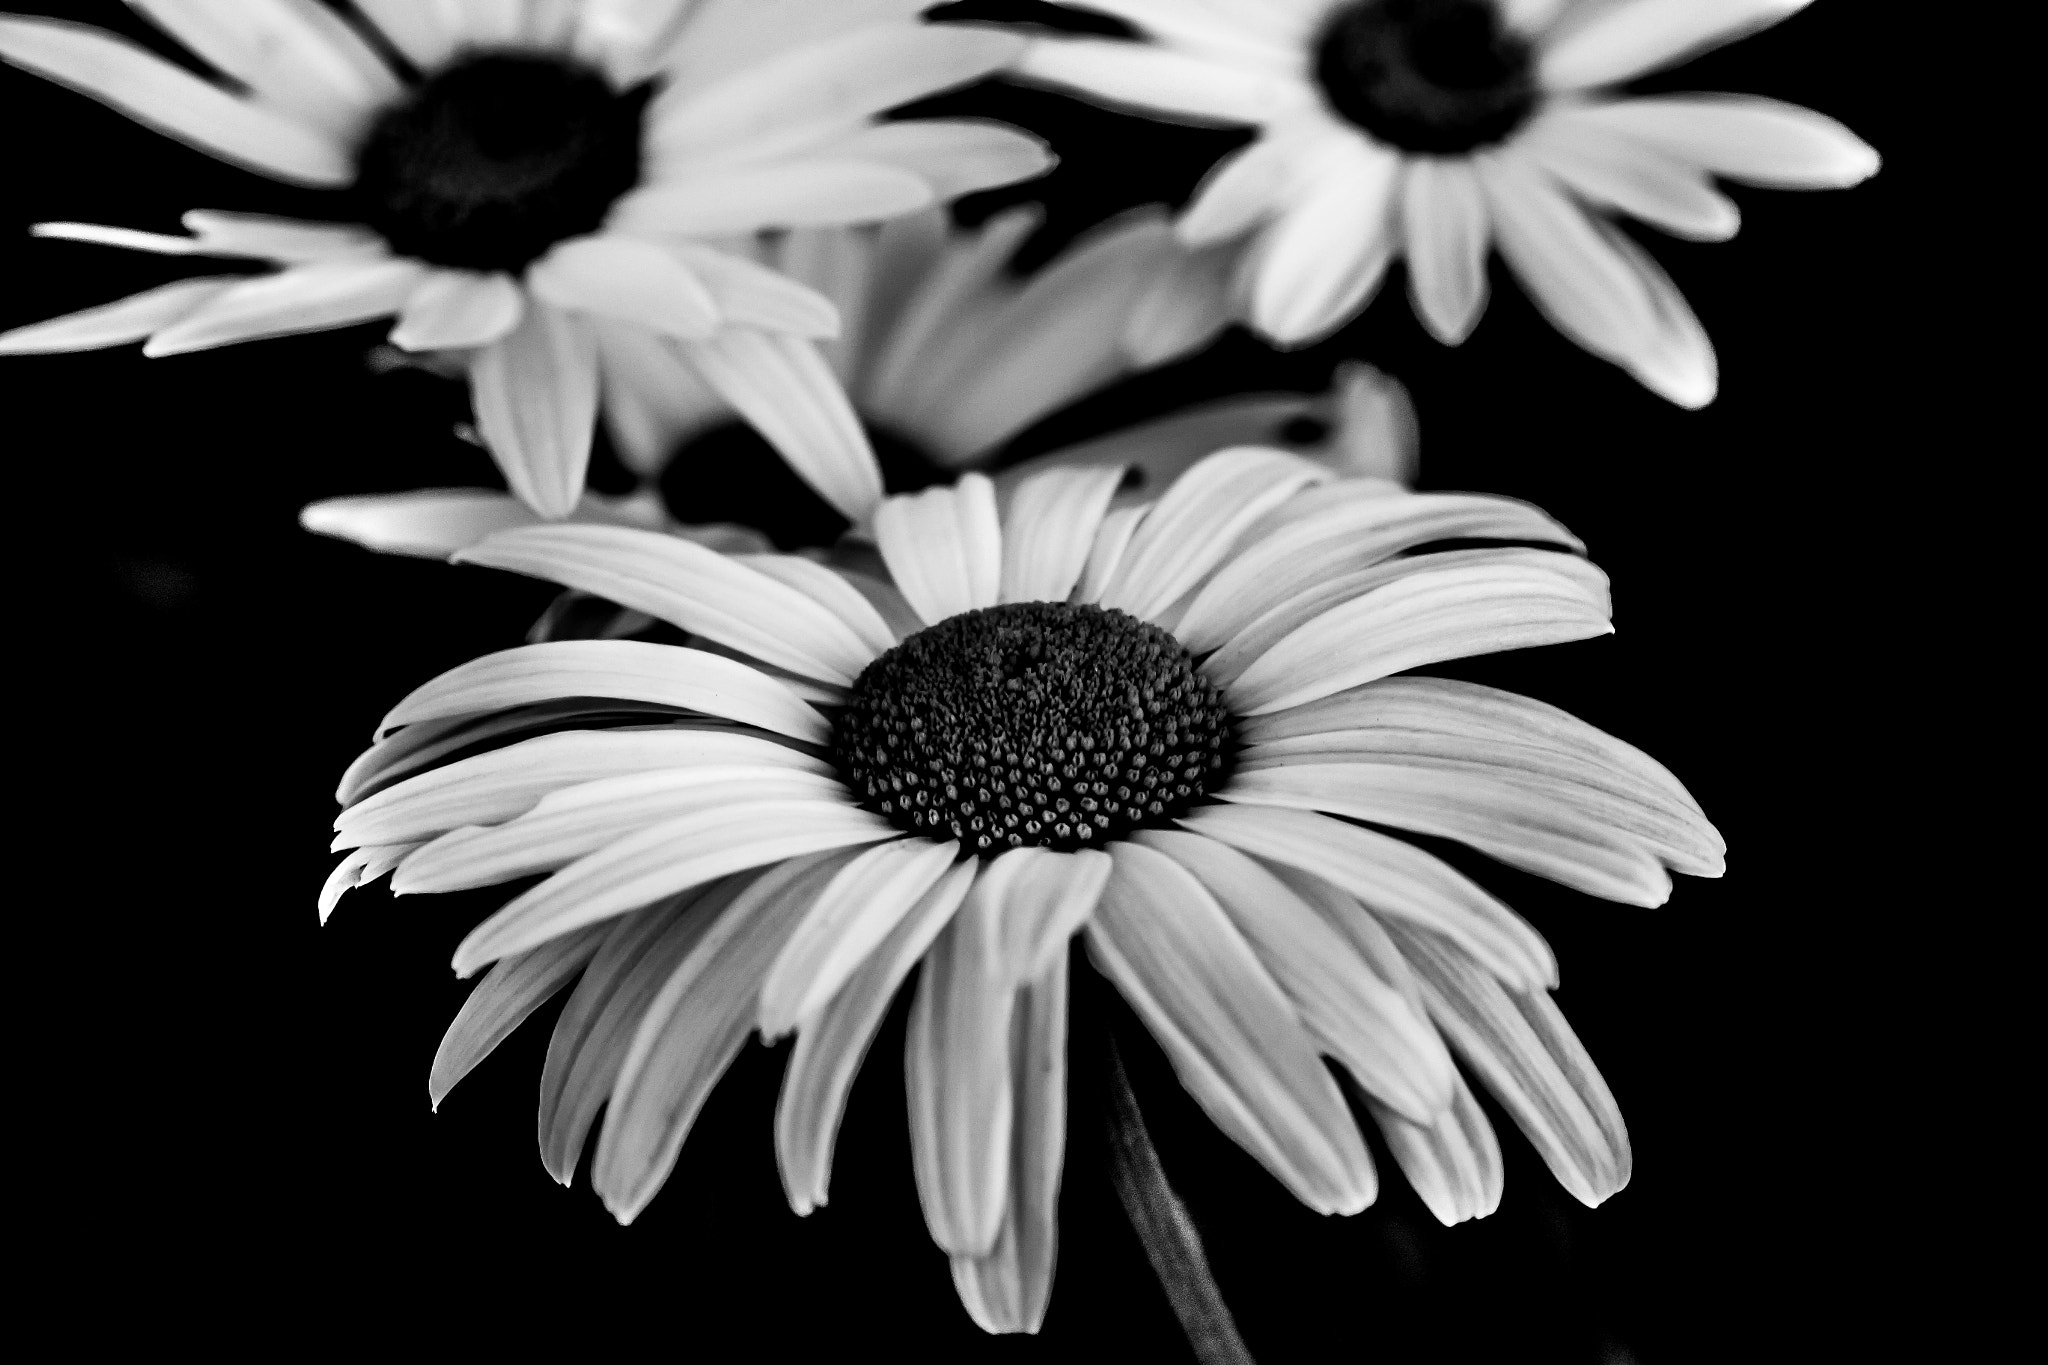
(535, 393)
(501, 1002)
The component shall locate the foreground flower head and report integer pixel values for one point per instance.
(1438, 129)
(537, 184)
(1159, 726)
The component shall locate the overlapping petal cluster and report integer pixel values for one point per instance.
(1487, 124)
(706, 871)
(754, 114)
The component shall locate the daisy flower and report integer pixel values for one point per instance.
(1439, 129)
(532, 181)
(1173, 729)
(946, 357)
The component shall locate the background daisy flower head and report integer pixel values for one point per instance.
(1440, 129)
(1175, 728)
(538, 182)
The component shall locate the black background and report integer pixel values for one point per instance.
(225, 1121)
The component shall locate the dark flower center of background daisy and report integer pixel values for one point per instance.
(491, 161)
(1432, 76)
(1033, 723)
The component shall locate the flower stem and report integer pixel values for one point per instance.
(1164, 1228)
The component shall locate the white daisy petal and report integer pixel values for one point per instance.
(503, 1000)
(700, 590)
(1042, 899)
(957, 1080)
(361, 867)
(1615, 171)
(176, 103)
(280, 239)
(1111, 539)
(794, 192)
(1424, 618)
(840, 80)
(1008, 1289)
(421, 31)
(575, 822)
(1166, 448)
(841, 268)
(1357, 1018)
(1396, 881)
(535, 394)
(751, 295)
(1354, 530)
(852, 917)
(692, 1030)
(1158, 81)
(1249, 186)
(304, 298)
(1182, 310)
(1233, 1037)
(1445, 232)
(1048, 529)
(627, 669)
(433, 523)
(1454, 1163)
(295, 55)
(830, 1048)
(953, 156)
(458, 309)
(1530, 1059)
(632, 281)
(502, 784)
(1624, 41)
(127, 239)
(1196, 524)
(1742, 137)
(663, 859)
(944, 547)
(831, 591)
(1198, 27)
(1316, 267)
(124, 320)
(653, 401)
(787, 392)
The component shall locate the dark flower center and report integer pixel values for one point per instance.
(491, 161)
(1033, 723)
(1432, 76)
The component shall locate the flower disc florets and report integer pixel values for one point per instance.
(1033, 723)
(496, 158)
(1439, 77)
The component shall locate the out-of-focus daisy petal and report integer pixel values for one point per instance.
(750, 295)
(1252, 185)
(662, 859)
(1425, 618)
(503, 1000)
(957, 1080)
(535, 393)
(1531, 1061)
(1049, 527)
(830, 1046)
(305, 298)
(111, 324)
(1444, 230)
(626, 669)
(1454, 1163)
(296, 55)
(421, 31)
(1317, 266)
(432, 523)
(783, 387)
(128, 239)
(1376, 434)
(1233, 1037)
(944, 547)
(691, 1031)
(458, 309)
(726, 201)
(953, 156)
(280, 239)
(1158, 81)
(1742, 137)
(1194, 526)
(1357, 1018)
(1624, 41)
(632, 281)
(840, 267)
(1616, 171)
(653, 401)
(1396, 881)
(1183, 309)
(1237, 37)
(1008, 1289)
(851, 918)
(503, 784)
(1165, 448)
(700, 590)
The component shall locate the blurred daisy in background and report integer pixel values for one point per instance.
(535, 183)
(1439, 129)
(1032, 715)
(947, 357)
